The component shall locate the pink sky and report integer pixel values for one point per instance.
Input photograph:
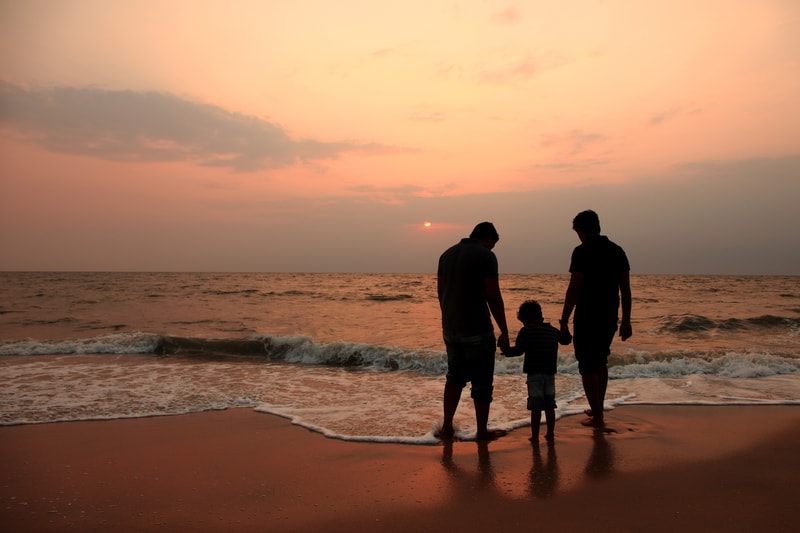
(319, 136)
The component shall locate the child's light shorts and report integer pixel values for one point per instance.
(541, 392)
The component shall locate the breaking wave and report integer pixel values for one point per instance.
(303, 350)
(698, 323)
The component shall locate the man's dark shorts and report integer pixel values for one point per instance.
(471, 359)
(592, 343)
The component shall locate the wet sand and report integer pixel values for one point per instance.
(656, 468)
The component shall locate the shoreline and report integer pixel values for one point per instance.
(659, 468)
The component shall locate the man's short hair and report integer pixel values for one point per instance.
(587, 222)
(485, 230)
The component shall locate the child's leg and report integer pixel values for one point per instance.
(550, 416)
(535, 403)
(536, 421)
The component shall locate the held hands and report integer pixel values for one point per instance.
(503, 342)
(565, 337)
(625, 330)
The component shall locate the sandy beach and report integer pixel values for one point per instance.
(657, 468)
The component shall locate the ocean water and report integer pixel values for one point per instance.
(360, 356)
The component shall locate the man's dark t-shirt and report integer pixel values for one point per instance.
(461, 273)
(601, 262)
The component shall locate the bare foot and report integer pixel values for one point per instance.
(445, 434)
(491, 434)
(588, 412)
(549, 437)
(593, 422)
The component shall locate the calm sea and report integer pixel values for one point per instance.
(360, 356)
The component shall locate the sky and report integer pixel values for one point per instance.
(321, 136)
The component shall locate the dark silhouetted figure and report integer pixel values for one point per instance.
(469, 296)
(539, 342)
(599, 281)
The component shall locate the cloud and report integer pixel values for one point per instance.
(523, 67)
(671, 114)
(397, 195)
(158, 126)
(571, 166)
(574, 142)
(403, 189)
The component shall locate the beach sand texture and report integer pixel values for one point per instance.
(661, 468)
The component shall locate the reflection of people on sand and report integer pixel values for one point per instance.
(544, 476)
(599, 281)
(601, 460)
(543, 479)
(485, 479)
(469, 296)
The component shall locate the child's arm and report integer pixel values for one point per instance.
(518, 348)
(512, 351)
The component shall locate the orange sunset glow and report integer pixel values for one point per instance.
(311, 135)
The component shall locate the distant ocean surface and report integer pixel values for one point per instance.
(360, 356)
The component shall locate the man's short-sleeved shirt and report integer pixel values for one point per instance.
(461, 274)
(601, 262)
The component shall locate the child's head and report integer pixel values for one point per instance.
(530, 312)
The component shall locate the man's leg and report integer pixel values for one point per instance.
(452, 395)
(603, 383)
(595, 342)
(481, 416)
(595, 384)
(482, 356)
(536, 422)
(453, 386)
(482, 421)
(550, 417)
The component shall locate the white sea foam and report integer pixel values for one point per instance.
(346, 403)
(119, 343)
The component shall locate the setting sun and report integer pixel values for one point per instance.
(427, 224)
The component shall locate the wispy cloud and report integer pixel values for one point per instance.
(398, 195)
(573, 166)
(523, 67)
(572, 143)
(158, 126)
(671, 114)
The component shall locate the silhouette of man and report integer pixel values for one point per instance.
(469, 296)
(599, 281)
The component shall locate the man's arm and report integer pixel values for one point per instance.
(625, 329)
(571, 298)
(491, 292)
